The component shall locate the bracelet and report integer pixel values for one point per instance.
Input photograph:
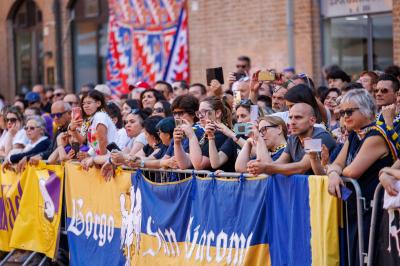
(332, 171)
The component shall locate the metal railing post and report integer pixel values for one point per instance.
(374, 217)
(3, 262)
(360, 225)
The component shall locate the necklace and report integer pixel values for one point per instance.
(363, 131)
(278, 148)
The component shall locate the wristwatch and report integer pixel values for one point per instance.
(142, 164)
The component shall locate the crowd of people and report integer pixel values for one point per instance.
(246, 125)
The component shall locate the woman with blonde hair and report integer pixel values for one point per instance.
(269, 144)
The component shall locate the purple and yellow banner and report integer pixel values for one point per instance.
(11, 190)
(30, 208)
(37, 226)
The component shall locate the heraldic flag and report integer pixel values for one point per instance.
(147, 41)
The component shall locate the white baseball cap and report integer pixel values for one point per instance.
(103, 88)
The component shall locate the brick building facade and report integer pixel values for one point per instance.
(219, 31)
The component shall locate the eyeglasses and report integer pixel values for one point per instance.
(178, 113)
(204, 113)
(11, 120)
(58, 115)
(265, 128)
(59, 94)
(383, 90)
(72, 103)
(241, 66)
(348, 112)
(245, 102)
(30, 128)
(158, 110)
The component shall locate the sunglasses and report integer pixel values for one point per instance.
(59, 94)
(11, 120)
(135, 111)
(384, 90)
(131, 121)
(265, 128)
(158, 110)
(348, 112)
(178, 113)
(30, 128)
(278, 88)
(58, 115)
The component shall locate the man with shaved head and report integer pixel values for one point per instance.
(61, 114)
(294, 160)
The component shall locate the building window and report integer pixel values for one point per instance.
(358, 43)
(89, 41)
(28, 46)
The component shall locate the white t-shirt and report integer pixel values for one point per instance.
(122, 139)
(3, 138)
(21, 138)
(141, 138)
(104, 119)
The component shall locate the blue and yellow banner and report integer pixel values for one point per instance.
(275, 220)
(94, 215)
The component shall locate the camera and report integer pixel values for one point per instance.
(238, 75)
(242, 129)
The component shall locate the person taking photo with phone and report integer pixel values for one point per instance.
(236, 138)
(211, 112)
(95, 126)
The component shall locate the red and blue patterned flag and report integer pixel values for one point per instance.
(147, 41)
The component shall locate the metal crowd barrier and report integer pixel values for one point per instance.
(159, 175)
(375, 208)
(361, 206)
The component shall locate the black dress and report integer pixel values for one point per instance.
(368, 183)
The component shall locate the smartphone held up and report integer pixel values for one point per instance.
(76, 113)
